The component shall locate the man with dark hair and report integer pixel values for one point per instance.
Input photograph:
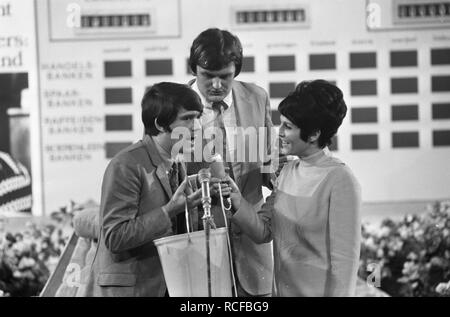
(139, 201)
(215, 60)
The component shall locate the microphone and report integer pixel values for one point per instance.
(218, 171)
(217, 167)
(204, 177)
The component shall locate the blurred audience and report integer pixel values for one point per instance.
(27, 257)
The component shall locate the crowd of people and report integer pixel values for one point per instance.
(27, 257)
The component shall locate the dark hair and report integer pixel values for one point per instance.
(315, 106)
(215, 49)
(162, 102)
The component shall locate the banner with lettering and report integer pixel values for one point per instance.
(20, 182)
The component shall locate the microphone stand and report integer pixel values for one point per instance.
(204, 176)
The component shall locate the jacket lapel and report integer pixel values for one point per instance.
(162, 175)
(244, 118)
(246, 112)
(158, 163)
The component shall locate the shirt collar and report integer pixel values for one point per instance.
(166, 158)
(317, 157)
(228, 98)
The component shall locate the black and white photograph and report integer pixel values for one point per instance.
(240, 150)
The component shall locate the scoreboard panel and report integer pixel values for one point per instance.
(98, 20)
(408, 14)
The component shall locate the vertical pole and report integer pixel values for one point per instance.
(207, 226)
(207, 220)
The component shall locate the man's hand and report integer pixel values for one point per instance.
(178, 200)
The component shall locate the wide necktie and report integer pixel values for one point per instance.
(220, 146)
(175, 179)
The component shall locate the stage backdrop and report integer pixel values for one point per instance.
(390, 58)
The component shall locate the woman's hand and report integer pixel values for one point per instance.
(229, 189)
(215, 183)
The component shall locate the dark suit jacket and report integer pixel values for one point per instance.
(135, 187)
(253, 262)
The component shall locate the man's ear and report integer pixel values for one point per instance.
(314, 137)
(159, 127)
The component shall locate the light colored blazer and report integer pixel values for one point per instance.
(135, 187)
(253, 262)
